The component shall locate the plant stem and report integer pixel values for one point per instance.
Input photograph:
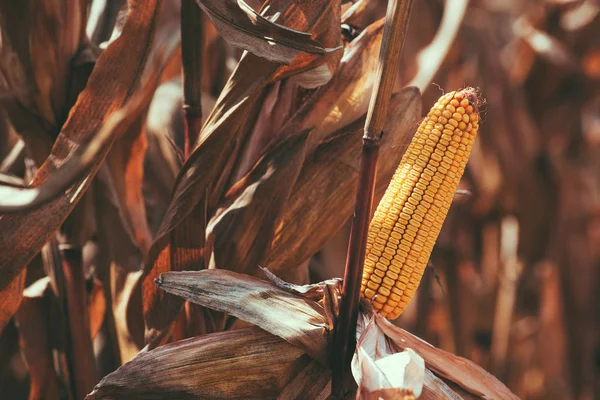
(344, 342)
(80, 352)
(192, 41)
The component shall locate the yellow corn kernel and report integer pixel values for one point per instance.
(409, 218)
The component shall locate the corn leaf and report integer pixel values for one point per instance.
(278, 312)
(10, 299)
(179, 242)
(15, 199)
(240, 234)
(247, 363)
(34, 320)
(322, 199)
(119, 268)
(23, 234)
(40, 40)
(241, 26)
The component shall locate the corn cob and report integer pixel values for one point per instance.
(409, 218)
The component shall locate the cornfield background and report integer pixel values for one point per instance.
(97, 86)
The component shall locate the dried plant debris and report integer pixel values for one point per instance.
(383, 349)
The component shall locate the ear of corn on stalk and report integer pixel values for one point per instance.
(409, 217)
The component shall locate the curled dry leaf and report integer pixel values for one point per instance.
(247, 363)
(289, 316)
(241, 26)
(111, 84)
(345, 98)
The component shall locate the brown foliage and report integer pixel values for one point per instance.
(171, 194)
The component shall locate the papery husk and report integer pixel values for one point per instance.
(377, 365)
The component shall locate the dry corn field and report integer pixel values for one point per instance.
(299, 199)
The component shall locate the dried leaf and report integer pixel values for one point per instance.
(435, 388)
(179, 241)
(312, 383)
(120, 268)
(22, 235)
(294, 319)
(241, 26)
(322, 200)
(125, 164)
(346, 96)
(39, 42)
(97, 308)
(238, 236)
(76, 167)
(247, 363)
(33, 319)
(10, 299)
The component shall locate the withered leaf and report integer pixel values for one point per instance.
(345, 98)
(281, 313)
(179, 241)
(239, 235)
(312, 383)
(125, 164)
(39, 42)
(119, 268)
(247, 363)
(75, 168)
(22, 235)
(10, 299)
(323, 198)
(34, 323)
(241, 26)
(435, 388)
